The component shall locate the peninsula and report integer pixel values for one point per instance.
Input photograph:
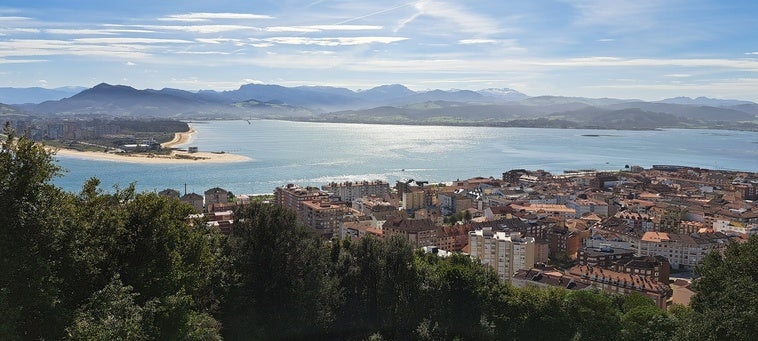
(174, 156)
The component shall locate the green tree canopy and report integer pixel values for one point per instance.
(726, 293)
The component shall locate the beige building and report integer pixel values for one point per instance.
(546, 210)
(195, 200)
(323, 216)
(216, 195)
(350, 191)
(313, 207)
(587, 206)
(414, 200)
(506, 253)
(422, 232)
(681, 250)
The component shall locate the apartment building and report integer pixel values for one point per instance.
(349, 191)
(681, 250)
(422, 232)
(313, 207)
(506, 253)
(323, 216)
(216, 195)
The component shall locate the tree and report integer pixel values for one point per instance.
(32, 252)
(357, 270)
(146, 240)
(67, 259)
(457, 288)
(110, 313)
(528, 313)
(643, 320)
(279, 283)
(726, 293)
(400, 299)
(377, 286)
(593, 315)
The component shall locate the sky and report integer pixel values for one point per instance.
(643, 49)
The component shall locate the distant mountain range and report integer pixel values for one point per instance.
(385, 104)
(36, 95)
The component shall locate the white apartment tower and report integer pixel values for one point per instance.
(506, 253)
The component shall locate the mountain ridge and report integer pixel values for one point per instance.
(395, 103)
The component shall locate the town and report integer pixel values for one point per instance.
(621, 232)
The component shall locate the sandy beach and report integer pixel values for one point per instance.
(180, 139)
(176, 156)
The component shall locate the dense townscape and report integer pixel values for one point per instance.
(625, 230)
(360, 170)
(661, 253)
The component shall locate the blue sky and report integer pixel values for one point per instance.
(595, 48)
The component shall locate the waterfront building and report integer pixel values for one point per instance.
(216, 195)
(323, 216)
(170, 193)
(349, 191)
(195, 200)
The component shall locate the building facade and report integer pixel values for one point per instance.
(349, 191)
(506, 253)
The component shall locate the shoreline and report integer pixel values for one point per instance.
(180, 138)
(175, 157)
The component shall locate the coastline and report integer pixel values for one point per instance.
(175, 157)
(180, 138)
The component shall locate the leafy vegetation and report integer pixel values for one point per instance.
(127, 265)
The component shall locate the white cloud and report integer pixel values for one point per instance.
(319, 28)
(746, 64)
(612, 12)
(203, 29)
(128, 30)
(78, 31)
(130, 64)
(476, 41)
(463, 19)
(13, 18)
(20, 30)
(339, 41)
(197, 17)
(678, 75)
(382, 11)
(216, 41)
(318, 52)
(20, 61)
(752, 53)
(125, 40)
(606, 40)
(200, 53)
(42, 47)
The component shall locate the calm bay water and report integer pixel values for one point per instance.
(317, 153)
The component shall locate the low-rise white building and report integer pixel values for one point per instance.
(682, 250)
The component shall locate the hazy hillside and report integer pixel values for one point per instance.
(120, 100)
(705, 113)
(35, 94)
(397, 104)
(704, 101)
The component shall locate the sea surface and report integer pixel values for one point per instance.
(317, 153)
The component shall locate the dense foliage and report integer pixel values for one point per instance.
(126, 265)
